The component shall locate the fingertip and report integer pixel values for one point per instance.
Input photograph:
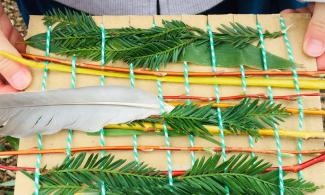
(21, 79)
(314, 43)
(17, 75)
(313, 47)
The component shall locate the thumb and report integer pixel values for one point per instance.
(18, 76)
(314, 44)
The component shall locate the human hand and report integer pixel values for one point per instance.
(13, 76)
(314, 43)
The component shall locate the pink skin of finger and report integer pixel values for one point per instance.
(314, 41)
(13, 76)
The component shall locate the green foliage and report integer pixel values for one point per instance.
(249, 116)
(152, 54)
(244, 175)
(190, 119)
(230, 57)
(81, 174)
(246, 117)
(77, 34)
(240, 36)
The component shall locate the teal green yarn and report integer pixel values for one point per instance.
(243, 79)
(47, 53)
(187, 92)
(186, 82)
(73, 72)
(38, 165)
(132, 78)
(244, 87)
(39, 136)
(263, 51)
(269, 90)
(167, 141)
(217, 92)
(72, 85)
(135, 147)
(297, 88)
(134, 137)
(102, 52)
(102, 83)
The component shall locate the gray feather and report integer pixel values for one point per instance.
(86, 109)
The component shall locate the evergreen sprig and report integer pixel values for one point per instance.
(244, 175)
(77, 34)
(240, 36)
(246, 117)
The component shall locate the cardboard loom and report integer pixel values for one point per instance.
(182, 159)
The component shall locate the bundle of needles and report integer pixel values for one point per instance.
(243, 175)
(77, 34)
(246, 117)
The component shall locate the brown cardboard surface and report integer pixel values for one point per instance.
(181, 160)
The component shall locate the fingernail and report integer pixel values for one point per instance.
(20, 80)
(315, 47)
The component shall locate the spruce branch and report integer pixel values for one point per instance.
(77, 34)
(244, 175)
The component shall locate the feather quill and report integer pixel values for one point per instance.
(86, 109)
